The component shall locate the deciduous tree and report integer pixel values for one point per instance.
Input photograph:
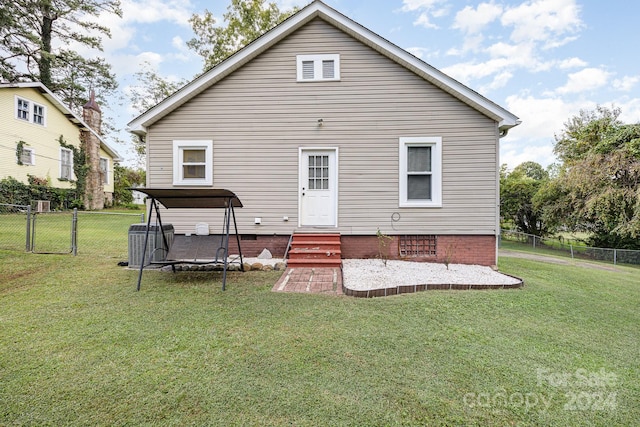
(151, 89)
(598, 188)
(246, 20)
(517, 192)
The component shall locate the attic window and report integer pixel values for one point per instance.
(22, 111)
(314, 68)
(30, 111)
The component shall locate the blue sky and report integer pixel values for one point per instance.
(543, 60)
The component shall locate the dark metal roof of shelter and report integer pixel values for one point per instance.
(192, 197)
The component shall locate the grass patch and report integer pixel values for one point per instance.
(81, 347)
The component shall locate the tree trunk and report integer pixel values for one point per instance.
(44, 64)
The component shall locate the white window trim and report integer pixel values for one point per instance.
(44, 114)
(72, 175)
(30, 111)
(317, 67)
(32, 156)
(106, 181)
(178, 147)
(436, 171)
(15, 109)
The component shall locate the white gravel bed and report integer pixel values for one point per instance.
(367, 274)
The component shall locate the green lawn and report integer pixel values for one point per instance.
(78, 346)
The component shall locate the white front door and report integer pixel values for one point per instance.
(318, 187)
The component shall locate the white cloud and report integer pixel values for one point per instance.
(472, 20)
(542, 118)
(423, 53)
(472, 43)
(585, 80)
(129, 64)
(149, 11)
(290, 4)
(412, 5)
(514, 154)
(543, 20)
(571, 63)
(499, 81)
(626, 83)
(427, 9)
(469, 71)
(424, 21)
(178, 43)
(630, 110)
(532, 27)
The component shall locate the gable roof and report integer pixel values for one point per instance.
(70, 115)
(317, 9)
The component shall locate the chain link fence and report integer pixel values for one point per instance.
(614, 256)
(105, 234)
(15, 224)
(66, 232)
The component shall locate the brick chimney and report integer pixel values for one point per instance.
(94, 189)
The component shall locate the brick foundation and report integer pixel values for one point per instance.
(465, 249)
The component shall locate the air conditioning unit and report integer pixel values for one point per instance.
(155, 245)
(43, 206)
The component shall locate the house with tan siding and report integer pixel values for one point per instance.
(321, 125)
(34, 122)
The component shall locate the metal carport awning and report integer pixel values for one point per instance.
(192, 198)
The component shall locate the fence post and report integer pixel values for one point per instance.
(33, 232)
(28, 241)
(534, 241)
(142, 218)
(74, 232)
(615, 256)
(571, 247)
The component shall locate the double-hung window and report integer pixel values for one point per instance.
(22, 109)
(314, 68)
(38, 114)
(66, 164)
(193, 162)
(104, 168)
(420, 172)
(30, 112)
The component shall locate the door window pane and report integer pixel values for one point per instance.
(319, 172)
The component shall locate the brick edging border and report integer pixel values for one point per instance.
(409, 289)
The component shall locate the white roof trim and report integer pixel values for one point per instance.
(70, 115)
(505, 119)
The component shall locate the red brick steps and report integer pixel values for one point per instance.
(315, 250)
